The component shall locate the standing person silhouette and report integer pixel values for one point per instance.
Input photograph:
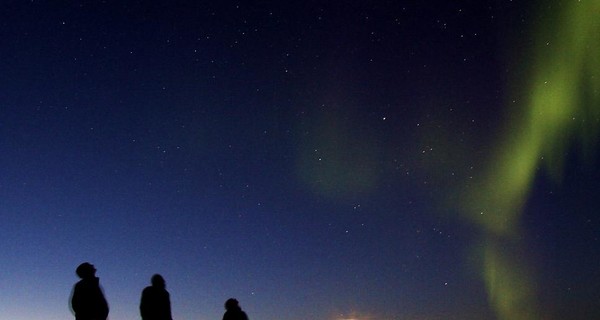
(156, 303)
(233, 311)
(87, 301)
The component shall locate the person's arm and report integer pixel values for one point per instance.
(144, 304)
(103, 303)
(169, 306)
(76, 300)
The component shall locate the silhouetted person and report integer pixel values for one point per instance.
(234, 312)
(88, 302)
(156, 304)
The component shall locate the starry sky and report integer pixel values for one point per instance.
(313, 159)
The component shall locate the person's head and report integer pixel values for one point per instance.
(158, 281)
(231, 304)
(86, 270)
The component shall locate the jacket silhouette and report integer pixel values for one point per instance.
(234, 312)
(88, 302)
(156, 303)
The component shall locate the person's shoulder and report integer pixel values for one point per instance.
(148, 289)
(80, 283)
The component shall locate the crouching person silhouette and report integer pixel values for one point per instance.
(156, 303)
(87, 301)
(233, 311)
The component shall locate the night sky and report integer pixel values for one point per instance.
(328, 160)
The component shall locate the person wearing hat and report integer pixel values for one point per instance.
(233, 311)
(87, 301)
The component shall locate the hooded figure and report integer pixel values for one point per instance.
(234, 312)
(87, 301)
(156, 303)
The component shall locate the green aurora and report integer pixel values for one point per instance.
(562, 109)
